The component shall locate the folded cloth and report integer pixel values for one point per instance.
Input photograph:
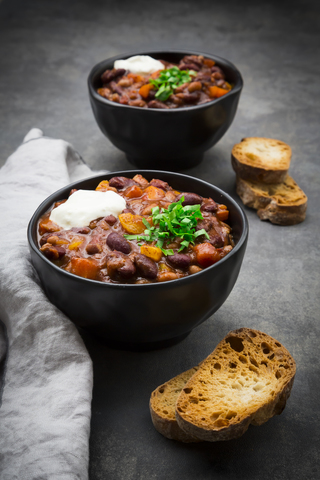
(47, 384)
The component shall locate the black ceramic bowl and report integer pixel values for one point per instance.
(173, 139)
(149, 315)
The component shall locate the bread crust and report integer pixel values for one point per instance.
(162, 408)
(281, 204)
(259, 159)
(243, 364)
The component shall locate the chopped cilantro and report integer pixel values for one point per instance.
(169, 80)
(176, 221)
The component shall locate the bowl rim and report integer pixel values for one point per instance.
(121, 286)
(104, 101)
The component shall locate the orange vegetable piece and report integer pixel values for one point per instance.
(154, 193)
(154, 253)
(84, 267)
(217, 92)
(103, 186)
(47, 226)
(74, 245)
(132, 223)
(208, 62)
(155, 74)
(133, 192)
(206, 254)
(136, 78)
(145, 90)
(222, 213)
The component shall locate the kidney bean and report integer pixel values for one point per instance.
(179, 260)
(156, 104)
(141, 180)
(44, 238)
(167, 276)
(137, 103)
(189, 97)
(152, 95)
(221, 83)
(124, 100)
(94, 223)
(94, 245)
(194, 86)
(115, 241)
(217, 76)
(115, 88)
(215, 68)
(176, 99)
(125, 82)
(194, 269)
(216, 240)
(190, 198)
(189, 66)
(83, 230)
(120, 182)
(111, 219)
(202, 77)
(119, 266)
(181, 88)
(205, 224)
(192, 59)
(209, 205)
(159, 184)
(109, 75)
(52, 252)
(146, 267)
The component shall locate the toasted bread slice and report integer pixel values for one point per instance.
(282, 203)
(163, 405)
(247, 379)
(261, 159)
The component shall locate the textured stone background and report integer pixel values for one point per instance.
(47, 49)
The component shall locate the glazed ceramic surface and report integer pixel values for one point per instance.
(173, 139)
(150, 314)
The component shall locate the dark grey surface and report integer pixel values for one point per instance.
(47, 49)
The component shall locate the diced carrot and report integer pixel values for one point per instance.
(206, 254)
(136, 78)
(47, 226)
(133, 192)
(154, 253)
(154, 193)
(222, 213)
(103, 186)
(84, 267)
(145, 90)
(208, 62)
(132, 223)
(217, 92)
(155, 74)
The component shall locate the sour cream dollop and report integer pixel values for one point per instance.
(83, 206)
(140, 64)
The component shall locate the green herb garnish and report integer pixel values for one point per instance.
(176, 221)
(169, 80)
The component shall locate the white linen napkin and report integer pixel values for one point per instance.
(47, 384)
